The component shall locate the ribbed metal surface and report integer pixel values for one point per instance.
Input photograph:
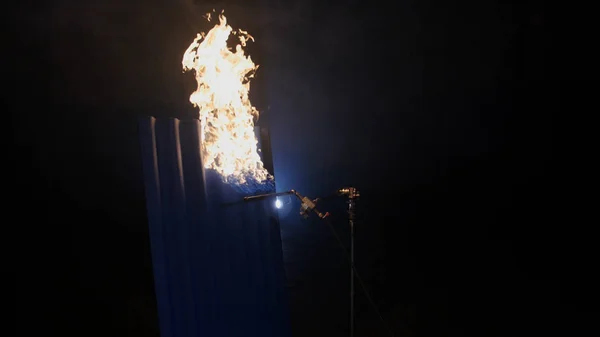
(218, 264)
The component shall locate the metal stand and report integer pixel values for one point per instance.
(308, 205)
(352, 194)
(351, 222)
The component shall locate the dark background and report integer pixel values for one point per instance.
(441, 113)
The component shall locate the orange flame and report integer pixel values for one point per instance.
(229, 145)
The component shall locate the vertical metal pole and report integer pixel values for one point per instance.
(351, 221)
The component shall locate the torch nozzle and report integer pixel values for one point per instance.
(306, 204)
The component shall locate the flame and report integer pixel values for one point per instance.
(229, 145)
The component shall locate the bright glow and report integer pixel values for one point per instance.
(229, 145)
(278, 203)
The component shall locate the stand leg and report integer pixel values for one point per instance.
(351, 222)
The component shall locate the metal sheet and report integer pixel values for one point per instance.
(218, 264)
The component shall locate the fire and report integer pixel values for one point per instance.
(229, 145)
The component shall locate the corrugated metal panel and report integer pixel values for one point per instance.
(218, 264)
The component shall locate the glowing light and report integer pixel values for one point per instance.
(278, 204)
(229, 144)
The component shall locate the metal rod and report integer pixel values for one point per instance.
(351, 222)
(262, 196)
